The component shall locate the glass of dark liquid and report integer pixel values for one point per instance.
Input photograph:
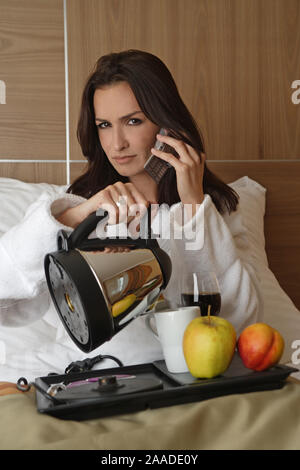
(201, 289)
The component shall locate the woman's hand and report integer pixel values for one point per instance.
(122, 201)
(189, 169)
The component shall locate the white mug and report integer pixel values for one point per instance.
(170, 325)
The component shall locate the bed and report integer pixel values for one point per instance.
(270, 201)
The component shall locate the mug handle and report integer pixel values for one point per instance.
(149, 326)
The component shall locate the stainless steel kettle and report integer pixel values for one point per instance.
(97, 294)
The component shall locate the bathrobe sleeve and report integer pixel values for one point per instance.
(24, 294)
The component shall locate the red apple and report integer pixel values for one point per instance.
(260, 346)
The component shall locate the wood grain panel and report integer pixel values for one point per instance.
(234, 62)
(77, 169)
(54, 173)
(282, 219)
(32, 122)
(279, 65)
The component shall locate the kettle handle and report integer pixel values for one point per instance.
(78, 238)
(83, 230)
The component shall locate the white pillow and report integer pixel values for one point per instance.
(16, 196)
(279, 310)
(252, 205)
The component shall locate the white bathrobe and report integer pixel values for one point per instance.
(33, 341)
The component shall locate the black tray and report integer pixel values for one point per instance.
(175, 389)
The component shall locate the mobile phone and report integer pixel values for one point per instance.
(156, 167)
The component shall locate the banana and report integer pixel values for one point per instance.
(122, 305)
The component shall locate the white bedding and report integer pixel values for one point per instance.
(52, 348)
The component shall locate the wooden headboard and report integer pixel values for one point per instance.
(282, 219)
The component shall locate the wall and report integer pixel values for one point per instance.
(32, 120)
(234, 62)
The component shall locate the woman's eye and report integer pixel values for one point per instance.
(134, 121)
(103, 125)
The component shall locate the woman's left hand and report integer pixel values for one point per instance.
(189, 169)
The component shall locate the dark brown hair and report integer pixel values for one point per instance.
(158, 97)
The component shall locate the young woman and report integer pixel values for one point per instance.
(127, 99)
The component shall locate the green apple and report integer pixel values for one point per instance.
(208, 346)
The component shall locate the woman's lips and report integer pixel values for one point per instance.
(123, 160)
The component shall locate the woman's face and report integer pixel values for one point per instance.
(125, 134)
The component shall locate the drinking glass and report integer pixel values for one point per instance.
(201, 289)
